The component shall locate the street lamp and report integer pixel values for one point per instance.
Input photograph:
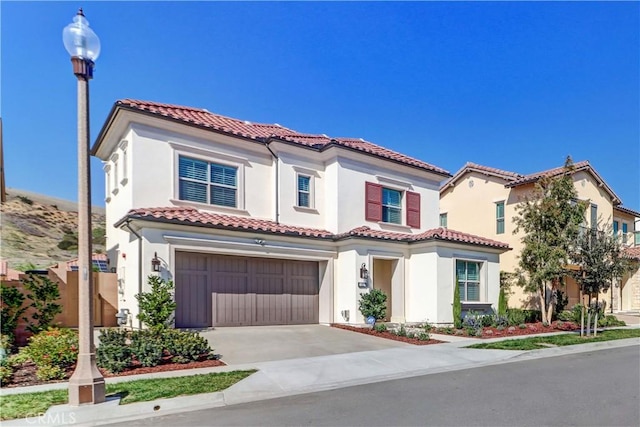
(86, 385)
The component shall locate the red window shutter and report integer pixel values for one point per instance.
(413, 209)
(373, 202)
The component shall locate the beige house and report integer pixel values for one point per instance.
(482, 200)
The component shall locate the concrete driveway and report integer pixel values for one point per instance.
(251, 344)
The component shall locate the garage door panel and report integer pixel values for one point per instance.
(245, 291)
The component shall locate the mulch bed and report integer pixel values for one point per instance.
(512, 331)
(387, 335)
(25, 375)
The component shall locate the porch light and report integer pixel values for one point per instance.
(364, 273)
(155, 263)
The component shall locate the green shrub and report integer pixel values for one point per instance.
(54, 347)
(562, 300)
(402, 331)
(566, 316)
(609, 320)
(12, 309)
(500, 321)
(373, 304)
(113, 353)
(532, 316)
(43, 293)
(380, 327)
(502, 303)
(157, 306)
(423, 336)
(19, 358)
(50, 372)
(428, 327)
(515, 316)
(6, 371)
(185, 346)
(148, 347)
(487, 320)
(457, 307)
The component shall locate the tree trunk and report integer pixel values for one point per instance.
(595, 325)
(582, 322)
(543, 305)
(589, 322)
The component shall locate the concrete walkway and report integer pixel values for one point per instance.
(304, 375)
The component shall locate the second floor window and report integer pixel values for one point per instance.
(205, 182)
(391, 206)
(624, 232)
(500, 218)
(615, 227)
(304, 191)
(443, 220)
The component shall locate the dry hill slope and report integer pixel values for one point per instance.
(42, 230)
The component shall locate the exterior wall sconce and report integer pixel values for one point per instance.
(364, 273)
(155, 263)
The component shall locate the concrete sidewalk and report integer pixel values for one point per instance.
(296, 376)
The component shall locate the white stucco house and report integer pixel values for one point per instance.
(258, 224)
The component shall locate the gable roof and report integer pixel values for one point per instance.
(485, 170)
(515, 179)
(627, 211)
(191, 216)
(260, 132)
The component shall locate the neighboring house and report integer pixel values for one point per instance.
(259, 224)
(628, 290)
(482, 200)
(7, 273)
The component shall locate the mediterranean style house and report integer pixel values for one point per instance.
(494, 195)
(258, 224)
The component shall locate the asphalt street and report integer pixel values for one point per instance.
(598, 388)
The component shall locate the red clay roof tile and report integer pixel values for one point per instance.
(188, 215)
(632, 252)
(260, 131)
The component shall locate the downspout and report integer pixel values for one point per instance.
(126, 224)
(266, 144)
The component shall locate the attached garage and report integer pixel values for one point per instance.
(225, 290)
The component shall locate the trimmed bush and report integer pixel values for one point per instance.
(185, 347)
(380, 327)
(515, 317)
(373, 304)
(113, 353)
(53, 351)
(148, 347)
(157, 306)
(12, 301)
(502, 303)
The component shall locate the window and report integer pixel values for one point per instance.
(205, 182)
(385, 205)
(304, 191)
(594, 217)
(624, 232)
(468, 276)
(615, 227)
(443, 220)
(391, 206)
(500, 218)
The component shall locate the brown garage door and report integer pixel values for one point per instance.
(222, 290)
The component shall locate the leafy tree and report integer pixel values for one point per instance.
(599, 256)
(157, 306)
(550, 220)
(373, 304)
(43, 293)
(12, 309)
(457, 307)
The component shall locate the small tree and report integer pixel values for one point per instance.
(550, 220)
(457, 307)
(502, 303)
(43, 293)
(12, 309)
(599, 256)
(373, 304)
(157, 307)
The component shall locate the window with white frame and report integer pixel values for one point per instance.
(443, 220)
(391, 206)
(205, 182)
(500, 217)
(468, 277)
(304, 191)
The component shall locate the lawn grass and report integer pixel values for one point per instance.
(535, 343)
(33, 404)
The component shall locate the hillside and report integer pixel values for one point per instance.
(43, 230)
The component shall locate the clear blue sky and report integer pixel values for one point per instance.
(513, 85)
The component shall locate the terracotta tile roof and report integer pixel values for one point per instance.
(486, 170)
(627, 211)
(263, 132)
(433, 234)
(632, 252)
(549, 173)
(191, 216)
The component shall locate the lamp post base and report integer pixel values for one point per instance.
(86, 385)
